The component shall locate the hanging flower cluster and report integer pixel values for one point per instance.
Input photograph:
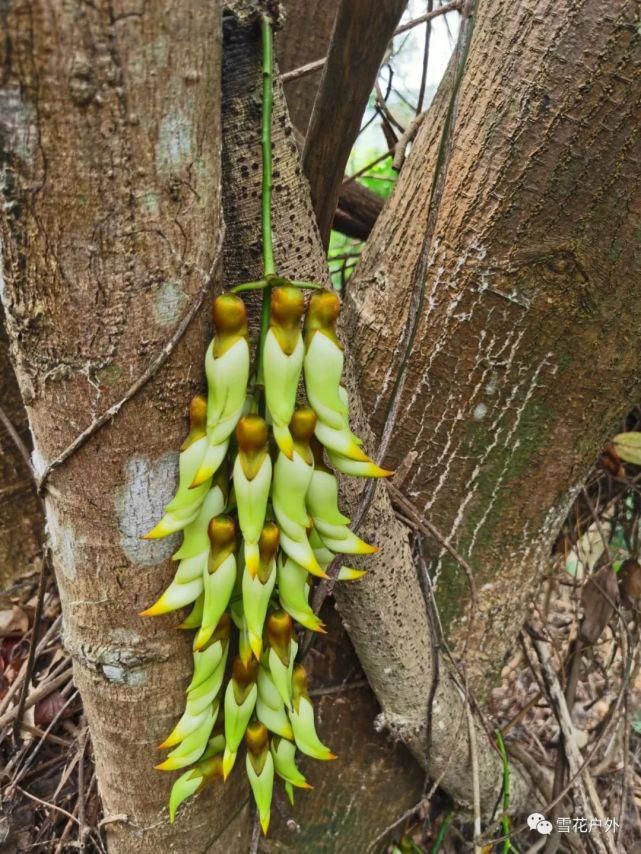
(258, 508)
(253, 541)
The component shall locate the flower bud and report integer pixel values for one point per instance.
(219, 577)
(186, 503)
(283, 353)
(258, 589)
(240, 699)
(259, 764)
(302, 719)
(270, 709)
(252, 482)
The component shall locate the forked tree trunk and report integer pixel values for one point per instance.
(384, 613)
(111, 228)
(494, 313)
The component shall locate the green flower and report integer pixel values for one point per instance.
(302, 719)
(252, 481)
(270, 709)
(260, 770)
(227, 367)
(240, 700)
(258, 589)
(209, 672)
(192, 747)
(186, 503)
(283, 354)
(293, 590)
(208, 769)
(281, 654)
(284, 753)
(219, 576)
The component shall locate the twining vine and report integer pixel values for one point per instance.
(258, 507)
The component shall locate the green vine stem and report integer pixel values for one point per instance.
(266, 195)
(505, 818)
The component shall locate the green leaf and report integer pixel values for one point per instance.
(628, 447)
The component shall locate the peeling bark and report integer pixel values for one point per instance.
(110, 226)
(493, 275)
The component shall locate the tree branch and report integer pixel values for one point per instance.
(359, 40)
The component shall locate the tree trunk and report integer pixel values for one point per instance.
(297, 44)
(507, 253)
(384, 613)
(359, 41)
(304, 38)
(110, 233)
(21, 523)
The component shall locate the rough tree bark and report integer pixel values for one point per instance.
(359, 40)
(494, 312)
(110, 233)
(21, 523)
(305, 37)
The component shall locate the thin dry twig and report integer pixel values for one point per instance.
(426, 527)
(476, 785)
(585, 785)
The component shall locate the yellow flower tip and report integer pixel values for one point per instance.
(202, 638)
(331, 756)
(201, 476)
(315, 569)
(229, 759)
(156, 609)
(379, 472)
(348, 573)
(284, 441)
(264, 823)
(167, 765)
(256, 644)
(252, 560)
(355, 452)
(305, 785)
(320, 627)
(171, 741)
(157, 532)
(367, 549)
